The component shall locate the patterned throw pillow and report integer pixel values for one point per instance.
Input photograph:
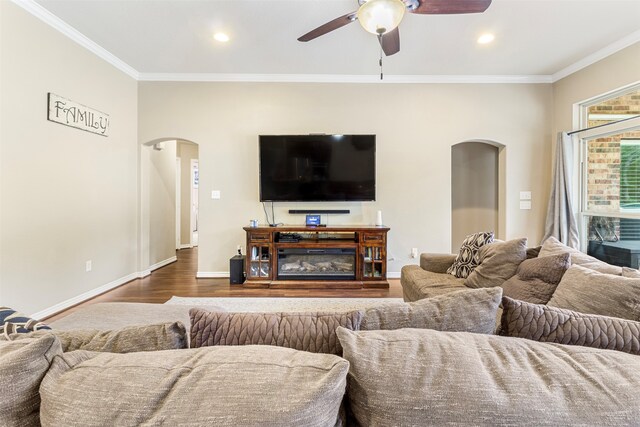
(12, 322)
(467, 259)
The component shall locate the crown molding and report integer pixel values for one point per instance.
(341, 78)
(43, 14)
(597, 56)
(47, 17)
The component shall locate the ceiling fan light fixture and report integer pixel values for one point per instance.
(381, 16)
(221, 37)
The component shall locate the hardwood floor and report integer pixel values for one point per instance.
(179, 279)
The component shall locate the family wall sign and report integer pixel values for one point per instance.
(69, 113)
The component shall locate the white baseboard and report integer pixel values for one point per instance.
(393, 275)
(83, 297)
(186, 247)
(212, 275)
(100, 290)
(162, 263)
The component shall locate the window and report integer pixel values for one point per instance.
(610, 196)
(630, 174)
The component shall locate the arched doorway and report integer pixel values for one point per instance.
(169, 200)
(476, 189)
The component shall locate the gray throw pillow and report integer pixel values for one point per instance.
(497, 262)
(213, 386)
(587, 291)
(23, 364)
(472, 310)
(536, 279)
(553, 246)
(165, 336)
(422, 377)
(314, 332)
(467, 258)
(550, 324)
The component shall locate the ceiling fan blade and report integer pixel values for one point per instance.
(329, 26)
(444, 7)
(390, 42)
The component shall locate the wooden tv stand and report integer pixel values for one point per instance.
(346, 256)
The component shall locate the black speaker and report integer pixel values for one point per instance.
(236, 270)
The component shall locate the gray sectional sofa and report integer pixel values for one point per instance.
(434, 361)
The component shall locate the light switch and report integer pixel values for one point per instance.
(525, 195)
(215, 194)
(525, 204)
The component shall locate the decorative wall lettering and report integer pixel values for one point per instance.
(69, 113)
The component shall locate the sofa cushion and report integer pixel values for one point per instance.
(536, 279)
(631, 272)
(533, 252)
(218, 386)
(12, 322)
(418, 283)
(471, 310)
(426, 377)
(497, 262)
(467, 258)
(550, 324)
(587, 291)
(314, 332)
(23, 364)
(165, 336)
(553, 246)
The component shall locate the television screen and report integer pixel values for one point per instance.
(313, 168)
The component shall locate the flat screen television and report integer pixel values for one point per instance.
(314, 168)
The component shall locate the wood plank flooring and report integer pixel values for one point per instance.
(179, 279)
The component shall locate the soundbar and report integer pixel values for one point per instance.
(319, 211)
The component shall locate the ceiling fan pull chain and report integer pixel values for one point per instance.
(380, 61)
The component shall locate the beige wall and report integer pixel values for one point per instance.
(67, 196)
(613, 72)
(416, 125)
(186, 152)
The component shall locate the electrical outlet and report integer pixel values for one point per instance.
(240, 249)
(88, 266)
(414, 252)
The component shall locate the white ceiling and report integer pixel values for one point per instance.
(533, 37)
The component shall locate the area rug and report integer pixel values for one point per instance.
(270, 305)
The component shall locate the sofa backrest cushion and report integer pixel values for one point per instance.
(631, 272)
(427, 377)
(471, 310)
(313, 331)
(536, 279)
(550, 324)
(230, 386)
(23, 365)
(164, 336)
(553, 246)
(467, 259)
(497, 262)
(587, 291)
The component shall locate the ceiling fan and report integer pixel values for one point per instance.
(382, 17)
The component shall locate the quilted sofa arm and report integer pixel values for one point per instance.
(436, 263)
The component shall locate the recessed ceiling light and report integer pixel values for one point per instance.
(221, 37)
(486, 38)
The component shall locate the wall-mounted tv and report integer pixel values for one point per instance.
(313, 168)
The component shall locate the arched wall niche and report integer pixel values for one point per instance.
(477, 189)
